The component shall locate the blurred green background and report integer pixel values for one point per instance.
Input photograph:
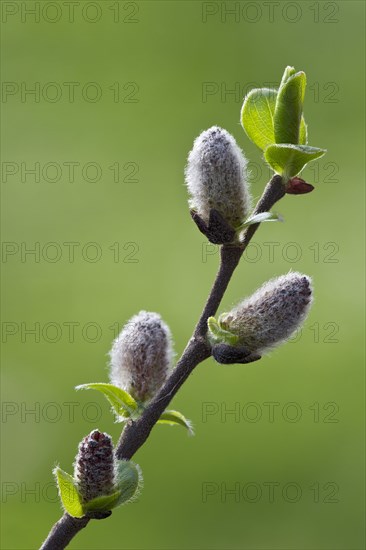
(129, 85)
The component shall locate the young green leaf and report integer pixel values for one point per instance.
(70, 498)
(288, 111)
(288, 160)
(217, 334)
(175, 418)
(103, 503)
(123, 404)
(303, 133)
(129, 481)
(257, 116)
(262, 217)
(288, 72)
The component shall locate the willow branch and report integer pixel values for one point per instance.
(198, 349)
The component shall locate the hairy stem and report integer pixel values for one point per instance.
(136, 432)
(63, 532)
(198, 349)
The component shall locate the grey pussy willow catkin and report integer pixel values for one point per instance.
(141, 356)
(216, 177)
(94, 466)
(272, 314)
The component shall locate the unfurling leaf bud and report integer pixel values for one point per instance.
(216, 180)
(94, 466)
(100, 482)
(141, 356)
(289, 105)
(265, 319)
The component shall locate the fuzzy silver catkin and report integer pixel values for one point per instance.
(272, 314)
(216, 177)
(141, 356)
(94, 466)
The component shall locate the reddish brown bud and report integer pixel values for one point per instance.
(297, 186)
